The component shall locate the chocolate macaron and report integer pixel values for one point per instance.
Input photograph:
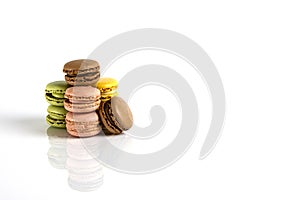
(82, 72)
(83, 124)
(115, 116)
(82, 99)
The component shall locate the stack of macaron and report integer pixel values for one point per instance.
(91, 104)
(54, 94)
(82, 99)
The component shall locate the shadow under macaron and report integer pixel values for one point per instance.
(34, 126)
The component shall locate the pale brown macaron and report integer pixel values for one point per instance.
(115, 116)
(82, 72)
(82, 99)
(83, 124)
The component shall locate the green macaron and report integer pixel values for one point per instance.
(56, 116)
(55, 91)
(57, 112)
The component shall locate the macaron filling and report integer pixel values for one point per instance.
(58, 95)
(57, 122)
(75, 72)
(57, 116)
(54, 100)
(87, 77)
(111, 121)
(81, 107)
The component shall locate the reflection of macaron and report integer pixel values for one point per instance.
(82, 72)
(84, 175)
(57, 157)
(83, 124)
(84, 148)
(57, 154)
(57, 137)
(108, 88)
(82, 99)
(115, 115)
(56, 116)
(76, 166)
(55, 92)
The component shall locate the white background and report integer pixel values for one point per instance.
(255, 46)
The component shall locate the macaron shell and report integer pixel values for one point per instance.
(57, 123)
(81, 66)
(58, 87)
(57, 112)
(122, 113)
(88, 133)
(82, 94)
(107, 84)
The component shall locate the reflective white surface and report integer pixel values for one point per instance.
(255, 46)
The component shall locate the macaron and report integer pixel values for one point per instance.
(108, 88)
(82, 72)
(56, 116)
(55, 92)
(82, 99)
(83, 124)
(115, 116)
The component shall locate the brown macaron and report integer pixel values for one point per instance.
(115, 116)
(82, 72)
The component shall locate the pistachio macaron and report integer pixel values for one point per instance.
(56, 116)
(55, 92)
(108, 88)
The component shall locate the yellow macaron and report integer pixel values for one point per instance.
(108, 88)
